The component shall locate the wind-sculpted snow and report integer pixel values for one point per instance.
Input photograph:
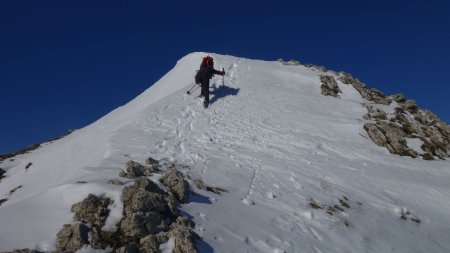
(271, 140)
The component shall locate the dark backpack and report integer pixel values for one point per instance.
(206, 62)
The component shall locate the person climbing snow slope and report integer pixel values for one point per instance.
(203, 76)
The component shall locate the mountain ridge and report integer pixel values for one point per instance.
(276, 144)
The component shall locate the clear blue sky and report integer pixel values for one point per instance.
(65, 64)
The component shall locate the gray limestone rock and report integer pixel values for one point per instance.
(116, 182)
(152, 162)
(2, 174)
(378, 97)
(346, 78)
(399, 98)
(72, 237)
(410, 105)
(129, 248)
(144, 201)
(92, 210)
(376, 134)
(184, 237)
(134, 169)
(177, 185)
(396, 139)
(149, 244)
(329, 86)
(24, 251)
(172, 209)
(317, 67)
(427, 156)
(140, 185)
(138, 225)
(133, 225)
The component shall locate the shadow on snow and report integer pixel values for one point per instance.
(222, 92)
(201, 245)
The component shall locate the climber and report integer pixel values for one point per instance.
(205, 73)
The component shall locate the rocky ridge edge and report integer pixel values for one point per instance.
(393, 130)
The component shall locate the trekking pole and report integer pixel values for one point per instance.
(195, 88)
(223, 77)
(191, 89)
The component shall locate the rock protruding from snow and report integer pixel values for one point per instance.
(24, 251)
(391, 136)
(329, 86)
(152, 162)
(149, 243)
(291, 62)
(399, 97)
(20, 152)
(134, 169)
(92, 210)
(150, 218)
(203, 186)
(410, 105)
(2, 172)
(182, 231)
(408, 121)
(373, 95)
(145, 209)
(177, 184)
(374, 113)
(130, 248)
(115, 182)
(72, 237)
(316, 67)
(376, 134)
(390, 130)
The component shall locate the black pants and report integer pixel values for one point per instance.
(205, 89)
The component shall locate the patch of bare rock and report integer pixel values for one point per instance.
(150, 215)
(393, 130)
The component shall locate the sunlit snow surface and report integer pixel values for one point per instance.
(271, 139)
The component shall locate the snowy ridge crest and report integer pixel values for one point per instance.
(300, 157)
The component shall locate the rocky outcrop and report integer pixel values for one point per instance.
(30, 148)
(145, 209)
(92, 210)
(150, 218)
(177, 185)
(203, 186)
(376, 134)
(399, 98)
(20, 152)
(410, 105)
(181, 230)
(149, 243)
(390, 130)
(24, 251)
(408, 121)
(316, 67)
(291, 62)
(391, 136)
(130, 248)
(72, 237)
(373, 95)
(2, 173)
(374, 113)
(134, 169)
(329, 86)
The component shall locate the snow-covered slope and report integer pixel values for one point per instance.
(271, 139)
